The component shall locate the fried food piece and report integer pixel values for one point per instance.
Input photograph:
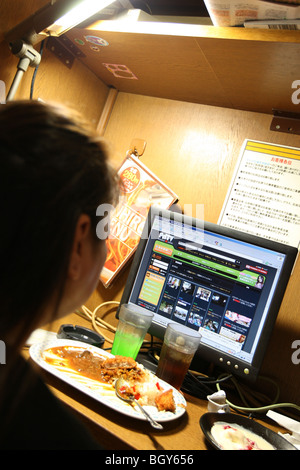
(119, 361)
(165, 401)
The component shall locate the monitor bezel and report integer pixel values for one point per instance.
(225, 362)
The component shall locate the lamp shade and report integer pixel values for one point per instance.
(55, 19)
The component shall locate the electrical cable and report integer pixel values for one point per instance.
(263, 409)
(98, 322)
(200, 385)
(35, 71)
(259, 408)
(194, 383)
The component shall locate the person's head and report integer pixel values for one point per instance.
(54, 173)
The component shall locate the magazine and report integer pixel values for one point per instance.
(140, 189)
(233, 13)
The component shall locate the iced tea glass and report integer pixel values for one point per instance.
(179, 346)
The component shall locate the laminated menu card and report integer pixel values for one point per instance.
(140, 189)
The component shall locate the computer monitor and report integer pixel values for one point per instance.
(227, 284)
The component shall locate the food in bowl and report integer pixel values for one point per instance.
(235, 437)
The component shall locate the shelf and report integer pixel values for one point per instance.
(238, 68)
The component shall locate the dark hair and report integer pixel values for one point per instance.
(52, 170)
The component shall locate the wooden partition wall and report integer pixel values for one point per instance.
(77, 88)
(194, 148)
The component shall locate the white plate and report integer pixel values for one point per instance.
(104, 393)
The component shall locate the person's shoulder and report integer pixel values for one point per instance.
(39, 420)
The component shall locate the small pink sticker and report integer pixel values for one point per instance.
(120, 71)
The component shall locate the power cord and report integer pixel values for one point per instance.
(257, 398)
(195, 383)
(200, 385)
(35, 70)
(98, 323)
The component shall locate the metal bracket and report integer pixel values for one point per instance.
(65, 56)
(65, 50)
(71, 46)
(284, 121)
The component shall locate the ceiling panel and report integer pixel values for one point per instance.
(255, 75)
(154, 65)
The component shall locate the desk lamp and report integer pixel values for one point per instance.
(54, 19)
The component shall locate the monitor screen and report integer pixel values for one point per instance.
(226, 284)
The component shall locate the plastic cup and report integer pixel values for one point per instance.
(179, 347)
(133, 325)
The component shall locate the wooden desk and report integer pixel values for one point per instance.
(116, 431)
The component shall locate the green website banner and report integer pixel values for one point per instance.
(245, 276)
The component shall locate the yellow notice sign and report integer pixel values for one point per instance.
(264, 196)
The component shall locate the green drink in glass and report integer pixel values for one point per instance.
(131, 330)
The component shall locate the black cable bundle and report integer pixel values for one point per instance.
(200, 386)
(194, 384)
